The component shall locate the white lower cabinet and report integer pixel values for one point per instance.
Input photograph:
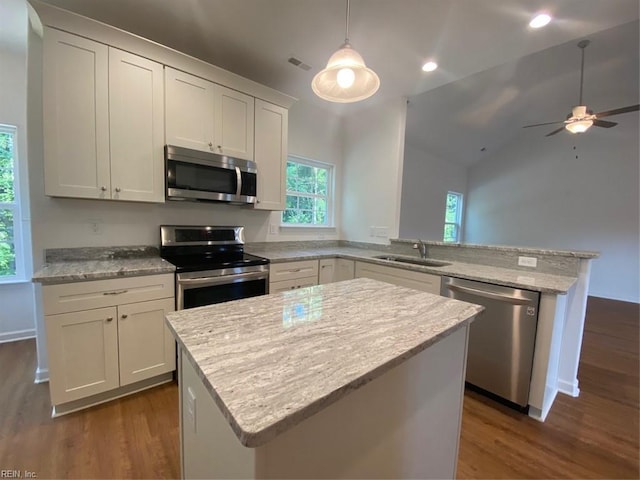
(292, 275)
(398, 276)
(336, 270)
(123, 342)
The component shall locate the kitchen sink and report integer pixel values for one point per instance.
(426, 262)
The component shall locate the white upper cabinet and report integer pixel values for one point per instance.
(136, 114)
(234, 118)
(271, 134)
(76, 116)
(103, 121)
(189, 117)
(205, 116)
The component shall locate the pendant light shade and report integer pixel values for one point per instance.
(346, 78)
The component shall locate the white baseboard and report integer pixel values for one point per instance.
(569, 388)
(41, 376)
(17, 335)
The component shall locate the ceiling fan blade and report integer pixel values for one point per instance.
(604, 123)
(541, 124)
(554, 132)
(618, 111)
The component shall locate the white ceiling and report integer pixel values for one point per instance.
(495, 73)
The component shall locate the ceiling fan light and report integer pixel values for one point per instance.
(579, 126)
(346, 78)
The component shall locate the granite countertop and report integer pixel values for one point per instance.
(269, 362)
(531, 280)
(84, 270)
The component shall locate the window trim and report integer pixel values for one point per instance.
(15, 206)
(330, 193)
(458, 221)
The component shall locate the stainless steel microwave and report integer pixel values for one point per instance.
(203, 176)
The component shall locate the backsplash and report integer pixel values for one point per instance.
(555, 262)
(56, 255)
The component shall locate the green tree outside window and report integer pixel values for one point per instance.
(308, 190)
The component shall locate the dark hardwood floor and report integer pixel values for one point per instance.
(593, 436)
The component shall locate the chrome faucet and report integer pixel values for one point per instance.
(421, 247)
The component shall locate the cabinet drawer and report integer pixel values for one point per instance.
(292, 270)
(398, 276)
(73, 297)
(286, 285)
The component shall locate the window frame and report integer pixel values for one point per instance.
(330, 196)
(458, 221)
(15, 207)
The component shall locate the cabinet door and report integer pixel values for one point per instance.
(234, 119)
(76, 116)
(146, 345)
(398, 276)
(83, 353)
(327, 271)
(345, 270)
(136, 119)
(272, 125)
(189, 117)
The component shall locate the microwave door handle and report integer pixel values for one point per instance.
(238, 181)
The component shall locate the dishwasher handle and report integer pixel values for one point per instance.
(514, 299)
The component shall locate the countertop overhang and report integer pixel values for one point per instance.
(271, 361)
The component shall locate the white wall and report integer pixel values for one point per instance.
(16, 300)
(426, 179)
(373, 155)
(535, 192)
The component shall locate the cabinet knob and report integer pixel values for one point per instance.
(124, 315)
(210, 146)
(109, 319)
(220, 147)
(118, 189)
(104, 189)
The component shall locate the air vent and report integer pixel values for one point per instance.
(299, 64)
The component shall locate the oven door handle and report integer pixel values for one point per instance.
(240, 277)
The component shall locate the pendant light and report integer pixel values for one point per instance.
(346, 78)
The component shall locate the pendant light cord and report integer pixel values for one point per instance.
(346, 35)
(581, 76)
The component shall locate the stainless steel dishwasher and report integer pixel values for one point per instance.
(502, 339)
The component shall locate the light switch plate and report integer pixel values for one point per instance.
(528, 262)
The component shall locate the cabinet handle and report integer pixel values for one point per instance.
(104, 189)
(117, 292)
(210, 146)
(118, 189)
(124, 315)
(295, 270)
(109, 319)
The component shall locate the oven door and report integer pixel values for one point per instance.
(197, 289)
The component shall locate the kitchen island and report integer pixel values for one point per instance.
(348, 380)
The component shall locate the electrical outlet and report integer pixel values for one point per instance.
(95, 227)
(528, 262)
(372, 231)
(273, 229)
(382, 232)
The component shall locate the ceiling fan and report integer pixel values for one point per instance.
(580, 118)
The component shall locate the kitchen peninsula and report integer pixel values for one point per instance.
(352, 379)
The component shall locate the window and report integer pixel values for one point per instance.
(9, 208)
(453, 217)
(309, 193)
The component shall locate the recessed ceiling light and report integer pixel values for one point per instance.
(429, 66)
(540, 20)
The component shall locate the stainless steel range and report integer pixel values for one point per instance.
(211, 266)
